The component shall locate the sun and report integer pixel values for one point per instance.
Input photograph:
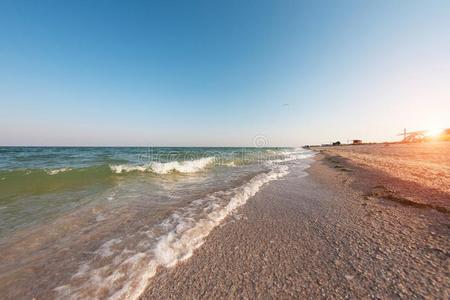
(433, 132)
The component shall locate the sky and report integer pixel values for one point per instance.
(221, 73)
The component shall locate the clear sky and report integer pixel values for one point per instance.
(219, 73)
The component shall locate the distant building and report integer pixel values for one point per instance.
(356, 142)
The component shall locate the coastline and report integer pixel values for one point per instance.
(317, 236)
(111, 245)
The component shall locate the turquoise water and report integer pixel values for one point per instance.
(107, 218)
(39, 182)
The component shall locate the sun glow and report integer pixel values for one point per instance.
(433, 132)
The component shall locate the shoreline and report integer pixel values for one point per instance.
(110, 246)
(317, 236)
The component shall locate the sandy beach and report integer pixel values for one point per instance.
(347, 230)
(417, 173)
(224, 150)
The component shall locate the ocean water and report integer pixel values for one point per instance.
(97, 222)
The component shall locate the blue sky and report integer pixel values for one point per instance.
(219, 73)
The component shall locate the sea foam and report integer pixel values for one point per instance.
(57, 171)
(187, 166)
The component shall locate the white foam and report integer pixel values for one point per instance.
(105, 250)
(188, 166)
(296, 154)
(187, 236)
(185, 232)
(56, 171)
(127, 168)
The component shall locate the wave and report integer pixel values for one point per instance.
(129, 271)
(21, 182)
(298, 153)
(188, 166)
(56, 171)
(127, 168)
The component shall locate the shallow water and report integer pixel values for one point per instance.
(97, 222)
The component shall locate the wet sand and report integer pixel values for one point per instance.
(339, 232)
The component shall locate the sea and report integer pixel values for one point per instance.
(98, 222)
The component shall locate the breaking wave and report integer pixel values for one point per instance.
(56, 171)
(188, 166)
(298, 153)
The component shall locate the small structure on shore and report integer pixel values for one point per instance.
(413, 136)
(425, 135)
(338, 143)
(356, 142)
